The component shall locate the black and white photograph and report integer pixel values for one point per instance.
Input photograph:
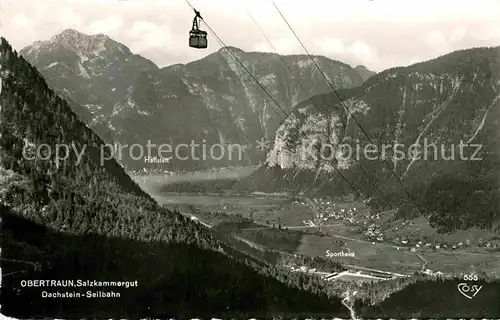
(264, 159)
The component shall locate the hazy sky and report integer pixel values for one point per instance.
(379, 34)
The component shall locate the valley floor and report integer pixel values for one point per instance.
(371, 248)
(343, 231)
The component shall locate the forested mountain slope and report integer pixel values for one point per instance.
(83, 218)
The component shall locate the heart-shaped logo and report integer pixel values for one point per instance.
(468, 291)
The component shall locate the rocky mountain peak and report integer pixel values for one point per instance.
(364, 72)
(70, 34)
(227, 103)
(233, 49)
(83, 45)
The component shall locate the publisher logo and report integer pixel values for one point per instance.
(469, 291)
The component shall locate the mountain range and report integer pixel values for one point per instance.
(128, 99)
(436, 105)
(80, 218)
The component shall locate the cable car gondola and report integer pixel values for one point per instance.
(197, 37)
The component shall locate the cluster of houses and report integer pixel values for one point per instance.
(349, 216)
(420, 244)
(340, 214)
(440, 246)
(374, 232)
(154, 171)
(433, 273)
(300, 202)
(151, 171)
(302, 269)
(328, 210)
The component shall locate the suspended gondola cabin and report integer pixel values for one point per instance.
(197, 37)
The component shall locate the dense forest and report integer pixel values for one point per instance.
(432, 298)
(175, 279)
(78, 218)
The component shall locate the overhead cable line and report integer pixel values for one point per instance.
(298, 82)
(277, 104)
(344, 105)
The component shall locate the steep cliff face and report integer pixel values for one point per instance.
(436, 105)
(213, 100)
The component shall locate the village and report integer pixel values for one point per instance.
(378, 229)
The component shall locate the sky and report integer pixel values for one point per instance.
(379, 34)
